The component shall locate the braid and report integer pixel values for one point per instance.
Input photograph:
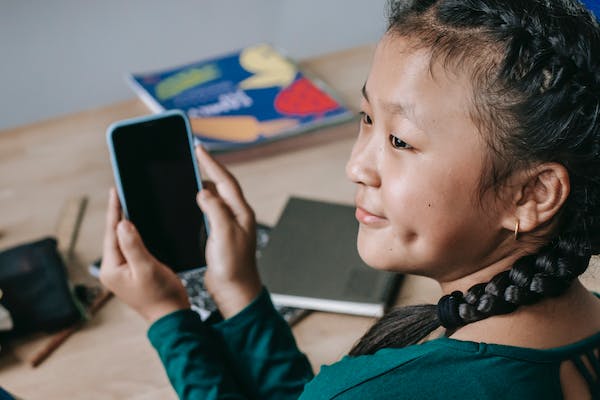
(540, 102)
(548, 273)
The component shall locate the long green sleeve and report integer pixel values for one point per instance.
(263, 352)
(192, 354)
(252, 355)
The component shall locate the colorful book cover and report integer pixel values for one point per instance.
(243, 98)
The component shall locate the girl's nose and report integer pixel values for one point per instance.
(362, 167)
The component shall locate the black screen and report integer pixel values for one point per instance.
(159, 186)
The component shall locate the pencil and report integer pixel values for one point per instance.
(60, 337)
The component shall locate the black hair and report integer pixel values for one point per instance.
(536, 98)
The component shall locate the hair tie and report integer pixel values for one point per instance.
(447, 309)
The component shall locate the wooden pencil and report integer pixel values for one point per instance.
(60, 337)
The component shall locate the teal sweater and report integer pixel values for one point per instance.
(253, 355)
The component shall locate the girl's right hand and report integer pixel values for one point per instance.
(231, 277)
(133, 274)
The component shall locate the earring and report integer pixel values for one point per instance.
(517, 230)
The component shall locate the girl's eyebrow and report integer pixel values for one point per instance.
(364, 92)
(393, 108)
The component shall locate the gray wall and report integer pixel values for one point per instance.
(63, 56)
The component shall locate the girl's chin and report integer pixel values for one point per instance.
(373, 258)
(384, 259)
(370, 251)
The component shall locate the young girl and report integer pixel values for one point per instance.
(477, 163)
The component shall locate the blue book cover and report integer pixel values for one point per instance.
(243, 98)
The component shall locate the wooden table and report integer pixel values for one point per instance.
(44, 164)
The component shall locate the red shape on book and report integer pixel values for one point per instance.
(302, 98)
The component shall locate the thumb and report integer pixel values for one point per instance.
(131, 245)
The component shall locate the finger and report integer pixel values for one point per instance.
(111, 253)
(211, 167)
(132, 246)
(218, 213)
(212, 188)
(245, 220)
(112, 275)
(227, 186)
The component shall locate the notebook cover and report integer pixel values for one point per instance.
(312, 261)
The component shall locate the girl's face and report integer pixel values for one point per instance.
(417, 163)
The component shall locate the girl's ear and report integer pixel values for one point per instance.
(538, 195)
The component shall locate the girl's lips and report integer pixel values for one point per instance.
(365, 217)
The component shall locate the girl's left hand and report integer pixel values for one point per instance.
(231, 277)
(133, 274)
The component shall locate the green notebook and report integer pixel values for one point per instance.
(311, 262)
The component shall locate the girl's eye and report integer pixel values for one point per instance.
(365, 118)
(399, 143)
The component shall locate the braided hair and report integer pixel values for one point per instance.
(536, 98)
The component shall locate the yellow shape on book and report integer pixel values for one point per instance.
(268, 66)
(186, 79)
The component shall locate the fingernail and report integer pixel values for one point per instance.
(125, 226)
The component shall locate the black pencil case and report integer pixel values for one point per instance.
(35, 288)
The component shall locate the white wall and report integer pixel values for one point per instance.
(63, 56)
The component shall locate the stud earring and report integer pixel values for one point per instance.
(517, 230)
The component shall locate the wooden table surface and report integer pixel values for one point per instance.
(45, 164)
